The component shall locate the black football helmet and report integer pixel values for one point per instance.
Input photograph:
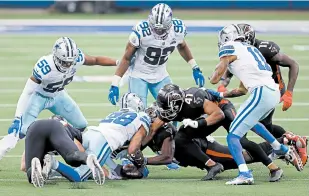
(249, 33)
(170, 100)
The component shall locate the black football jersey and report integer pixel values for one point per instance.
(166, 131)
(74, 133)
(269, 49)
(193, 106)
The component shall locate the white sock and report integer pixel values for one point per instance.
(276, 145)
(243, 168)
(55, 164)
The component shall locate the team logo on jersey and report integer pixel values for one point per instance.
(197, 100)
(163, 43)
(274, 49)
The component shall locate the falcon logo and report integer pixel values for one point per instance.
(274, 49)
(197, 100)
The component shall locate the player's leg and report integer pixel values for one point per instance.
(35, 105)
(185, 145)
(97, 145)
(139, 87)
(35, 145)
(154, 88)
(66, 107)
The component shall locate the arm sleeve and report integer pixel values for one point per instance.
(24, 97)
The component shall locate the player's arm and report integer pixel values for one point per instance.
(167, 153)
(214, 115)
(286, 61)
(221, 68)
(155, 125)
(132, 45)
(100, 60)
(227, 76)
(237, 92)
(186, 54)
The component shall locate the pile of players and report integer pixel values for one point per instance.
(125, 133)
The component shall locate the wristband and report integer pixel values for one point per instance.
(202, 123)
(116, 80)
(193, 63)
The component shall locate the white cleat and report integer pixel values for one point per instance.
(47, 167)
(96, 169)
(292, 157)
(244, 178)
(36, 173)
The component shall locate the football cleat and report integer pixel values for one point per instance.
(96, 169)
(47, 167)
(36, 173)
(292, 157)
(173, 166)
(275, 175)
(244, 178)
(213, 171)
(300, 144)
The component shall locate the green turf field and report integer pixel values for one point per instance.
(20, 52)
(183, 14)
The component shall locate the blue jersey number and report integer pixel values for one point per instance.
(262, 64)
(145, 29)
(43, 65)
(120, 118)
(178, 26)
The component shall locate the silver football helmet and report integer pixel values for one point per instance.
(65, 53)
(132, 101)
(230, 33)
(160, 20)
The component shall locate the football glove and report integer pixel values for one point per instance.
(287, 99)
(198, 76)
(189, 122)
(15, 127)
(138, 159)
(221, 88)
(113, 95)
(216, 94)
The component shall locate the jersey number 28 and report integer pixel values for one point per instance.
(120, 118)
(158, 56)
(262, 64)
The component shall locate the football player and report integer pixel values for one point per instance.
(55, 135)
(45, 90)
(249, 66)
(152, 41)
(276, 59)
(130, 123)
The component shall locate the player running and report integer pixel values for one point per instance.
(276, 59)
(130, 123)
(45, 90)
(152, 41)
(250, 67)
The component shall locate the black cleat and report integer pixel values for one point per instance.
(275, 175)
(213, 171)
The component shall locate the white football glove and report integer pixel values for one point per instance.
(191, 123)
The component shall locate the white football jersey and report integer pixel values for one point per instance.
(120, 126)
(152, 54)
(250, 67)
(52, 80)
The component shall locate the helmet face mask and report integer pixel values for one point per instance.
(132, 101)
(152, 111)
(65, 53)
(160, 20)
(170, 101)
